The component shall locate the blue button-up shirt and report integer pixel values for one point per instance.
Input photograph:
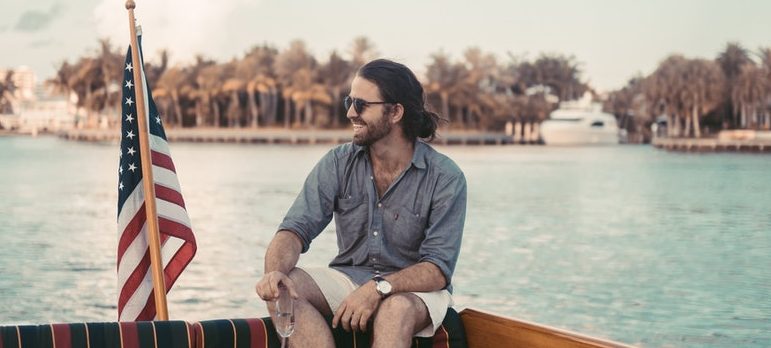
(419, 218)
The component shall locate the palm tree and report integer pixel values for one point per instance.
(731, 61)
(262, 84)
(171, 83)
(703, 91)
(209, 82)
(443, 78)
(110, 62)
(362, 51)
(295, 68)
(7, 87)
(336, 75)
(750, 92)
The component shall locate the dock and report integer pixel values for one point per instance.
(726, 141)
(280, 136)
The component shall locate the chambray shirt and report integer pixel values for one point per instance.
(420, 217)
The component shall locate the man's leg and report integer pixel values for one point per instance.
(311, 330)
(398, 318)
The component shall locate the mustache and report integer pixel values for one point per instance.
(358, 121)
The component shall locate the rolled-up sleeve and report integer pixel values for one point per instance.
(312, 210)
(441, 245)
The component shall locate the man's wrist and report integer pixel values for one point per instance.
(383, 287)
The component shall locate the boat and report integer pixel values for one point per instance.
(581, 122)
(485, 329)
(470, 328)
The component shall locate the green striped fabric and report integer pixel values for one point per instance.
(171, 334)
(236, 333)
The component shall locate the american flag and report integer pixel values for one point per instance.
(136, 299)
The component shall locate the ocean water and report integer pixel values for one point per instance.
(629, 243)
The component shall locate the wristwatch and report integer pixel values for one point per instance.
(382, 286)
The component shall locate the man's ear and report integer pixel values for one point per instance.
(397, 112)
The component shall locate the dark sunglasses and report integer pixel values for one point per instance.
(359, 104)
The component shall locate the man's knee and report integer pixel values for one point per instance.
(308, 290)
(404, 305)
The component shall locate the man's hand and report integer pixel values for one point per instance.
(357, 308)
(268, 287)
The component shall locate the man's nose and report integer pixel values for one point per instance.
(351, 113)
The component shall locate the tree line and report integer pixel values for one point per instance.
(268, 87)
(291, 88)
(695, 95)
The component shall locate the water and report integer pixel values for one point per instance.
(629, 243)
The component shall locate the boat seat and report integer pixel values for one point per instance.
(237, 333)
(172, 334)
(250, 333)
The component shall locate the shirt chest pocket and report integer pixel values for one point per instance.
(405, 230)
(351, 218)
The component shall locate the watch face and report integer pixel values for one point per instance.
(384, 286)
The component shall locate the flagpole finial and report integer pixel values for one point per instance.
(130, 4)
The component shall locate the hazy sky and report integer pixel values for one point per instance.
(613, 39)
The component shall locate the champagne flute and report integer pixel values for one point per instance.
(284, 314)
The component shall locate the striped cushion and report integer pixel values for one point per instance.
(237, 333)
(172, 334)
(256, 333)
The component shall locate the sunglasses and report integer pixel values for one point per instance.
(359, 104)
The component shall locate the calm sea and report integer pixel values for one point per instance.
(629, 243)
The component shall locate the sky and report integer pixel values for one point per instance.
(613, 40)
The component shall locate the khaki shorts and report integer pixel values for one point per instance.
(336, 286)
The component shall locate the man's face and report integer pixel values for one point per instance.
(373, 123)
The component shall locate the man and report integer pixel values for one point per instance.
(399, 209)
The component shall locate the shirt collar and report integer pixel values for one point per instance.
(418, 153)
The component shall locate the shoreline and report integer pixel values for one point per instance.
(282, 136)
(723, 143)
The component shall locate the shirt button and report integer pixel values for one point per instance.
(374, 233)
(372, 178)
(380, 205)
(374, 259)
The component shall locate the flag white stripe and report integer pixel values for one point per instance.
(172, 212)
(130, 207)
(166, 178)
(158, 144)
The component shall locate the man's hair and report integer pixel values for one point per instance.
(398, 84)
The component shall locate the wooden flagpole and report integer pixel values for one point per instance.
(154, 240)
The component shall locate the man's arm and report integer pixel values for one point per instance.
(280, 258)
(420, 277)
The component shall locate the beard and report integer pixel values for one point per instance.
(372, 131)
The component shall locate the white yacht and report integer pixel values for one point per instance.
(580, 123)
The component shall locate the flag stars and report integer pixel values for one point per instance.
(158, 119)
(131, 151)
(129, 101)
(130, 135)
(129, 118)
(120, 170)
(129, 84)
(132, 167)
(129, 67)
(120, 186)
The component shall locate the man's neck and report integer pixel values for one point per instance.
(392, 153)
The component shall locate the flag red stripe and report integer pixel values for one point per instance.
(169, 195)
(173, 270)
(175, 229)
(161, 160)
(133, 281)
(131, 231)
